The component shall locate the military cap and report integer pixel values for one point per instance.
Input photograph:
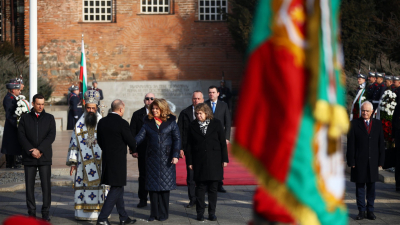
(17, 80)
(396, 78)
(11, 86)
(94, 81)
(361, 76)
(73, 88)
(380, 74)
(371, 74)
(92, 97)
(387, 77)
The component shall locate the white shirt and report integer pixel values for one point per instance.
(147, 111)
(367, 121)
(115, 113)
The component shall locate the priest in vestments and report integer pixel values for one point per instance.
(84, 157)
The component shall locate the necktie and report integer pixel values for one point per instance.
(37, 115)
(367, 122)
(213, 107)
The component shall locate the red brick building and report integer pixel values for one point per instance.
(134, 40)
(12, 22)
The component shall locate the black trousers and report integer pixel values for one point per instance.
(360, 196)
(115, 197)
(142, 192)
(191, 184)
(159, 201)
(212, 188)
(10, 160)
(397, 170)
(45, 174)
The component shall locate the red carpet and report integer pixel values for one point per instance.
(234, 173)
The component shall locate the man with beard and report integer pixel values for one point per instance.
(84, 157)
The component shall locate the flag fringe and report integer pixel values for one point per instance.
(302, 213)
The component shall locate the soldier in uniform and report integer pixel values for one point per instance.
(74, 112)
(10, 146)
(371, 87)
(396, 130)
(379, 88)
(224, 93)
(94, 87)
(389, 83)
(356, 106)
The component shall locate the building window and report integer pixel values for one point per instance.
(97, 10)
(155, 6)
(212, 10)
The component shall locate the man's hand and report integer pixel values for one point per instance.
(353, 167)
(224, 164)
(227, 142)
(174, 160)
(181, 154)
(36, 153)
(71, 171)
(135, 155)
(190, 167)
(380, 167)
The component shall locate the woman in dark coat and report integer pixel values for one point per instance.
(207, 155)
(163, 145)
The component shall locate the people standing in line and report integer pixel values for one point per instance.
(185, 118)
(224, 93)
(163, 145)
(114, 136)
(36, 133)
(85, 159)
(396, 130)
(365, 155)
(389, 82)
(136, 125)
(206, 155)
(356, 106)
(221, 112)
(396, 84)
(74, 112)
(10, 145)
(378, 91)
(371, 87)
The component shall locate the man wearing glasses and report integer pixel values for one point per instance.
(136, 125)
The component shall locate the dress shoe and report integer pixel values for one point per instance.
(103, 223)
(162, 219)
(32, 214)
(151, 218)
(361, 215)
(200, 217)
(221, 189)
(46, 218)
(212, 217)
(142, 204)
(191, 204)
(127, 221)
(371, 216)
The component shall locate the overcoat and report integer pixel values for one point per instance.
(10, 144)
(223, 114)
(163, 144)
(113, 136)
(184, 120)
(135, 126)
(74, 112)
(365, 151)
(206, 153)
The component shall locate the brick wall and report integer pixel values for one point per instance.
(134, 47)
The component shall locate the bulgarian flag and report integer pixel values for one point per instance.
(291, 113)
(83, 73)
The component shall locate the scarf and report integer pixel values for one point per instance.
(204, 125)
(158, 122)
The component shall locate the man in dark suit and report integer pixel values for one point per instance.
(185, 118)
(10, 145)
(74, 112)
(221, 112)
(36, 133)
(136, 125)
(365, 154)
(113, 135)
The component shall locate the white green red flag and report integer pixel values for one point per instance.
(83, 73)
(289, 135)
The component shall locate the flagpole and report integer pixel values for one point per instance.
(81, 83)
(32, 49)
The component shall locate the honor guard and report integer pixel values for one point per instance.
(74, 112)
(371, 87)
(389, 83)
(356, 106)
(10, 145)
(379, 90)
(94, 87)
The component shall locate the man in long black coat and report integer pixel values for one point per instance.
(114, 135)
(74, 112)
(185, 118)
(221, 112)
(136, 125)
(365, 154)
(10, 145)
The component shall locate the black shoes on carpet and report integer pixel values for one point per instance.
(369, 215)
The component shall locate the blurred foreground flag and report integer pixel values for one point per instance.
(291, 114)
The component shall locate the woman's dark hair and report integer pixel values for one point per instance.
(204, 108)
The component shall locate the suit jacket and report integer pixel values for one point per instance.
(184, 120)
(136, 125)
(365, 151)
(207, 152)
(10, 144)
(222, 114)
(113, 136)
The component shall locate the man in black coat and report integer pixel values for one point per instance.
(113, 135)
(365, 154)
(396, 130)
(10, 145)
(136, 125)
(74, 112)
(36, 133)
(185, 118)
(224, 93)
(221, 112)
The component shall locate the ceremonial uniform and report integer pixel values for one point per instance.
(74, 112)
(356, 106)
(10, 144)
